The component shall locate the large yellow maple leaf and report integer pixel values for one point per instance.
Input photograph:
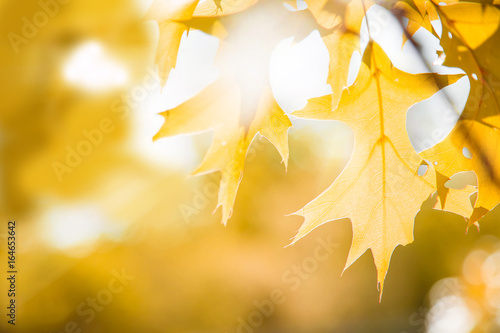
(380, 189)
(470, 41)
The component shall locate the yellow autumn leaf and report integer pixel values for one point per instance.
(420, 14)
(328, 13)
(334, 13)
(470, 41)
(459, 201)
(222, 7)
(379, 190)
(218, 108)
(341, 45)
(268, 19)
(343, 20)
(240, 104)
(169, 15)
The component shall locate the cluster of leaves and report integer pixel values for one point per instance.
(381, 189)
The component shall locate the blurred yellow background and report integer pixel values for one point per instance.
(113, 239)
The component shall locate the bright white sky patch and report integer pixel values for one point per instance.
(194, 71)
(299, 72)
(91, 68)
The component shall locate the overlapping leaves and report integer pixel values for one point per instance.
(239, 105)
(381, 189)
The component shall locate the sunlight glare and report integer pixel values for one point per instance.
(194, 71)
(75, 227)
(299, 72)
(91, 68)
(450, 314)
